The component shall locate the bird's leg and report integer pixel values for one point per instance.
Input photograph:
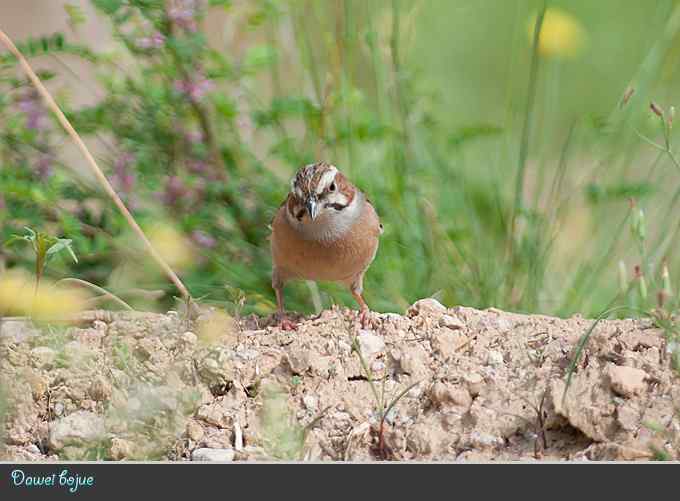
(364, 312)
(283, 321)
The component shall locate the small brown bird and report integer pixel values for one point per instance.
(325, 230)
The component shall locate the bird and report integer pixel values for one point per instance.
(325, 230)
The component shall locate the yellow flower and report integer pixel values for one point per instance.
(171, 245)
(562, 35)
(50, 303)
(216, 325)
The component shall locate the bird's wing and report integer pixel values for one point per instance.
(381, 228)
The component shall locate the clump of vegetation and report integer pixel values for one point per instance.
(282, 436)
(383, 407)
(44, 248)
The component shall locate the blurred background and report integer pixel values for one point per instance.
(510, 147)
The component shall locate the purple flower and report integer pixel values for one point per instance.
(197, 166)
(173, 191)
(155, 41)
(43, 167)
(203, 239)
(193, 137)
(183, 14)
(31, 106)
(194, 90)
(123, 179)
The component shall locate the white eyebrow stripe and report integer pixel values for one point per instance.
(326, 179)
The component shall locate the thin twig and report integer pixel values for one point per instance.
(49, 101)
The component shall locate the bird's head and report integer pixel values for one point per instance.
(319, 193)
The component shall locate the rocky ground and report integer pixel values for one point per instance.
(479, 385)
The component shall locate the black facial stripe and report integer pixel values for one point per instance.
(300, 214)
(337, 206)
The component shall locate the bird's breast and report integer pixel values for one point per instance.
(338, 259)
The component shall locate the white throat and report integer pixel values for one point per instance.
(330, 224)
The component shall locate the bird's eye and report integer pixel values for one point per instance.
(332, 187)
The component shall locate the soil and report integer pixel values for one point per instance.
(477, 386)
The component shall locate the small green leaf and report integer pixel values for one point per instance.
(61, 244)
(15, 238)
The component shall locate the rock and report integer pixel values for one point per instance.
(38, 384)
(428, 306)
(628, 416)
(100, 389)
(627, 381)
(43, 357)
(474, 383)
(419, 440)
(297, 361)
(238, 437)
(503, 324)
(443, 394)
(216, 368)
(494, 358)
(205, 454)
(120, 449)
(480, 440)
(215, 414)
(451, 322)
(194, 431)
(448, 342)
(370, 344)
(79, 428)
(413, 361)
(310, 402)
(189, 337)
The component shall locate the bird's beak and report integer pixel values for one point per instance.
(312, 208)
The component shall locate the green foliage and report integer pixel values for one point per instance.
(283, 437)
(45, 247)
(206, 136)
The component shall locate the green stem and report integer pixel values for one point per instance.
(526, 129)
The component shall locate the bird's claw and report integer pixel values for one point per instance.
(366, 319)
(284, 323)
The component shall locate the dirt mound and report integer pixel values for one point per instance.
(479, 385)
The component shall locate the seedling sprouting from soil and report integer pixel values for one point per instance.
(382, 450)
(284, 438)
(44, 247)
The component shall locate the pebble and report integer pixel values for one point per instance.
(189, 337)
(310, 402)
(80, 427)
(194, 431)
(428, 305)
(627, 381)
(451, 322)
(494, 358)
(474, 383)
(370, 344)
(43, 357)
(205, 454)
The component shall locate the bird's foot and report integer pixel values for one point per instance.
(367, 320)
(285, 323)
